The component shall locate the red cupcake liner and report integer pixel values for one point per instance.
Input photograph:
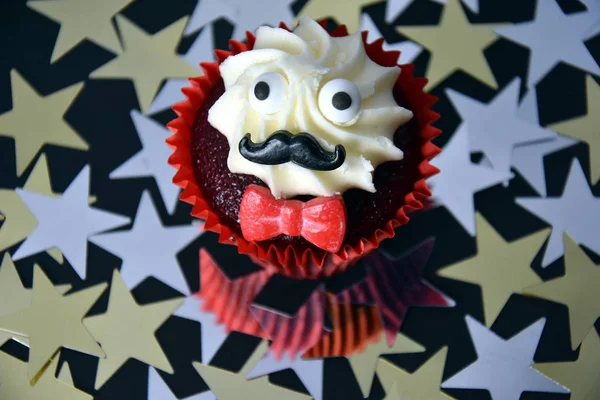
(309, 263)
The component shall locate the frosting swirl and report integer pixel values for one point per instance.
(308, 81)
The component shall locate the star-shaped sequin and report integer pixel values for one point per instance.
(244, 15)
(496, 128)
(565, 214)
(345, 12)
(80, 20)
(580, 376)
(575, 289)
(53, 321)
(587, 128)
(500, 361)
(454, 189)
(424, 383)
(147, 59)
(151, 160)
(70, 210)
(549, 47)
(500, 268)
(455, 44)
(150, 248)
(393, 8)
(127, 330)
(36, 120)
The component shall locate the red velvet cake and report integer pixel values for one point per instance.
(304, 148)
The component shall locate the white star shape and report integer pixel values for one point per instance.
(310, 372)
(213, 334)
(503, 367)
(158, 389)
(80, 20)
(66, 222)
(408, 49)
(243, 14)
(394, 8)
(495, 128)
(460, 179)
(151, 160)
(576, 212)
(202, 50)
(149, 248)
(553, 37)
(528, 159)
(593, 7)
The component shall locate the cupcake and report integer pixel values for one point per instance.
(304, 148)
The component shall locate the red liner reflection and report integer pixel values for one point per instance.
(393, 285)
(359, 314)
(231, 301)
(298, 334)
(354, 327)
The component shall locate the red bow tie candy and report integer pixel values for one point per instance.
(321, 221)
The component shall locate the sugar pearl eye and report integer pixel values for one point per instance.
(268, 92)
(339, 101)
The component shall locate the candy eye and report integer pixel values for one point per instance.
(268, 92)
(339, 101)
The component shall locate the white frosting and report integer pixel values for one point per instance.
(300, 65)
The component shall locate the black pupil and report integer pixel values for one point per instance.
(341, 101)
(262, 90)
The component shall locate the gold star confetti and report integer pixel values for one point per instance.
(232, 386)
(500, 268)
(455, 44)
(39, 179)
(36, 120)
(581, 376)
(53, 321)
(147, 59)
(587, 127)
(65, 371)
(20, 222)
(127, 330)
(20, 297)
(394, 393)
(14, 383)
(80, 20)
(364, 364)
(345, 12)
(424, 383)
(577, 289)
(12, 288)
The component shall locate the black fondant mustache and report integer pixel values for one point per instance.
(302, 149)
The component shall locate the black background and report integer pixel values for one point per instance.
(100, 114)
